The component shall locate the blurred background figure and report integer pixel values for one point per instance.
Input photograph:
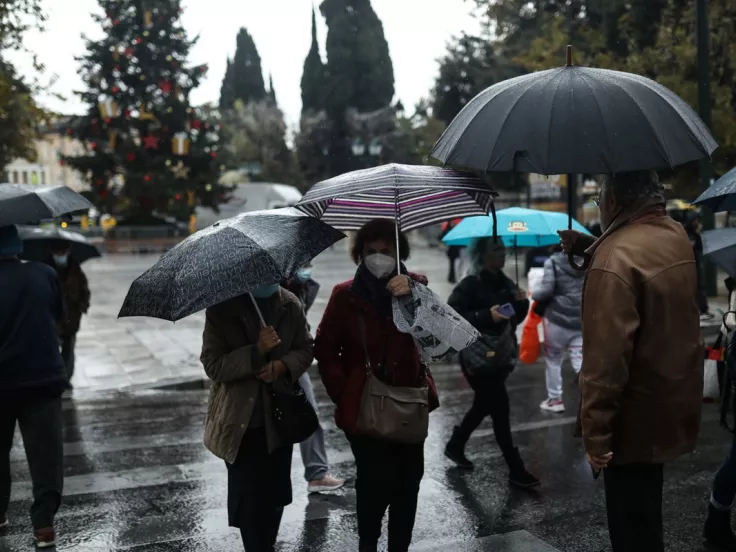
(558, 298)
(313, 450)
(454, 252)
(75, 290)
(693, 227)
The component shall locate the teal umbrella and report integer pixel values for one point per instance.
(516, 226)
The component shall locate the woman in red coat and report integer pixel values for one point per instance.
(388, 473)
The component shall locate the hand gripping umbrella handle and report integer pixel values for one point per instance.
(580, 268)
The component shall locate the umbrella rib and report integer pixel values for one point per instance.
(603, 120)
(551, 114)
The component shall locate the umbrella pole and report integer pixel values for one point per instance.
(397, 214)
(516, 260)
(258, 310)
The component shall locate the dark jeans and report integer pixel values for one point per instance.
(41, 425)
(490, 399)
(724, 485)
(67, 354)
(634, 506)
(388, 477)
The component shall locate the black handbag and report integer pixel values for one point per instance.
(293, 416)
(491, 354)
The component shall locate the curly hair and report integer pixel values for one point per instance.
(378, 229)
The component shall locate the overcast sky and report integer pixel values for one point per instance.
(416, 30)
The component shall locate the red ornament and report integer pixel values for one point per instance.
(127, 113)
(197, 124)
(166, 87)
(129, 52)
(139, 40)
(147, 178)
(131, 157)
(93, 145)
(108, 121)
(103, 194)
(116, 22)
(150, 142)
(100, 182)
(115, 90)
(178, 197)
(214, 154)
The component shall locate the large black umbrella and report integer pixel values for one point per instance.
(721, 196)
(38, 244)
(26, 204)
(226, 260)
(720, 247)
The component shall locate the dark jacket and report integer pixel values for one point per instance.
(306, 292)
(642, 375)
(231, 360)
(30, 307)
(474, 296)
(562, 286)
(75, 289)
(340, 351)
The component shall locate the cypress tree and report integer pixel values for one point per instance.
(313, 77)
(227, 95)
(246, 78)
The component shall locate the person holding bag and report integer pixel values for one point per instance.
(483, 299)
(255, 348)
(366, 364)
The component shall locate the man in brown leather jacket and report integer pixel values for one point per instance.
(642, 375)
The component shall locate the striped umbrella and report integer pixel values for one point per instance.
(412, 195)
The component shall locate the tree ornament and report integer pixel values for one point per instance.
(145, 116)
(191, 199)
(208, 187)
(168, 162)
(93, 145)
(143, 77)
(115, 54)
(115, 89)
(166, 87)
(148, 18)
(181, 171)
(139, 40)
(197, 124)
(131, 157)
(181, 143)
(178, 197)
(150, 142)
(129, 52)
(214, 155)
(109, 108)
(112, 139)
(147, 178)
(146, 33)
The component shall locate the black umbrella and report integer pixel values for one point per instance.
(721, 196)
(38, 244)
(574, 120)
(26, 204)
(720, 247)
(226, 260)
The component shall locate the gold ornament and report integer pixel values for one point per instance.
(109, 109)
(181, 171)
(191, 200)
(115, 54)
(168, 162)
(192, 224)
(148, 18)
(145, 116)
(180, 143)
(113, 139)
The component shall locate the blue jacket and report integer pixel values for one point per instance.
(562, 286)
(31, 304)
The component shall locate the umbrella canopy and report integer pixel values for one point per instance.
(226, 260)
(721, 196)
(38, 243)
(516, 226)
(574, 120)
(26, 204)
(413, 195)
(720, 247)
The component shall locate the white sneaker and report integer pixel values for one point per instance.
(553, 405)
(325, 485)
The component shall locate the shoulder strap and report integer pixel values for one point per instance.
(364, 339)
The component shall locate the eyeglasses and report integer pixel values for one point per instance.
(596, 200)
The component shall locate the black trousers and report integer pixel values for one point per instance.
(67, 354)
(490, 399)
(634, 506)
(259, 486)
(388, 477)
(41, 425)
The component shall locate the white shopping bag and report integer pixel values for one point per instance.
(437, 329)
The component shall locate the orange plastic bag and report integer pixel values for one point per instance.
(529, 347)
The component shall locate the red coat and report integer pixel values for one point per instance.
(339, 351)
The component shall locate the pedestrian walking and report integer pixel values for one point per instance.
(558, 300)
(694, 227)
(356, 343)
(642, 375)
(76, 293)
(479, 299)
(32, 381)
(313, 450)
(246, 362)
(454, 252)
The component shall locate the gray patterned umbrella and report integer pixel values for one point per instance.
(26, 204)
(226, 260)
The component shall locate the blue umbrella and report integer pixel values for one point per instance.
(721, 196)
(516, 226)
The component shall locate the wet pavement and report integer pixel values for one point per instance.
(139, 479)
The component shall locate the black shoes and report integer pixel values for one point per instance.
(455, 450)
(519, 476)
(717, 532)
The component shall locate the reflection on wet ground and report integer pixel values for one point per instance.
(138, 478)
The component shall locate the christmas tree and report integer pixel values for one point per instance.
(148, 151)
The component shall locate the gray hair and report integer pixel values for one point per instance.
(629, 187)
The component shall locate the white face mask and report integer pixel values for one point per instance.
(380, 265)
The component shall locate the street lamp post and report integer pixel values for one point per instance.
(704, 107)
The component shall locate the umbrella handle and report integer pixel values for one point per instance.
(580, 268)
(258, 310)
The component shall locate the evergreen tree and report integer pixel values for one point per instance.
(313, 77)
(227, 94)
(271, 96)
(359, 69)
(147, 149)
(245, 81)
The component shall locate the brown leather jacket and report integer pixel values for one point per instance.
(642, 375)
(231, 360)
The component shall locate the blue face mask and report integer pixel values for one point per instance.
(263, 292)
(304, 274)
(61, 260)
